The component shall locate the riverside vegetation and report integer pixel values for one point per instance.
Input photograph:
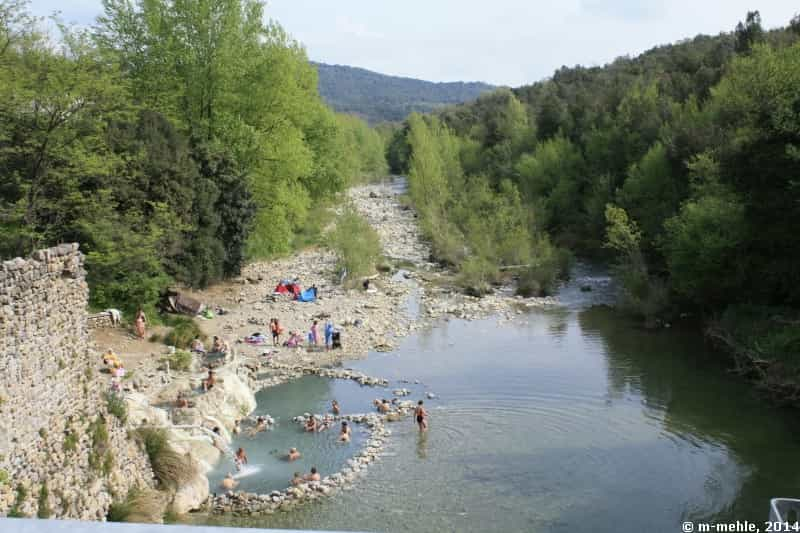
(680, 164)
(174, 141)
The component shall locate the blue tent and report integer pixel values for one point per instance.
(306, 296)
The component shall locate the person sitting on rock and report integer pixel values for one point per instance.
(229, 483)
(311, 424)
(335, 407)
(237, 428)
(384, 406)
(297, 479)
(261, 425)
(209, 382)
(294, 340)
(110, 358)
(345, 432)
(182, 402)
(197, 346)
(314, 475)
(294, 455)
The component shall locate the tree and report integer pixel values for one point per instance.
(749, 33)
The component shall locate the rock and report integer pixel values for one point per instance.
(191, 495)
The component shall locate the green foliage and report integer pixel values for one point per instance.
(770, 333)
(3, 477)
(173, 141)
(70, 442)
(184, 331)
(356, 244)
(115, 404)
(143, 506)
(21, 495)
(170, 468)
(180, 361)
(43, 510)
(98, 431)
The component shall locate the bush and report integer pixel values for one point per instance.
(140, 506)
(550, 265)
(185, 330)
(3, 477)
(771, 333)
(70, 442)
(44, 507)
(356, 243)
(98, 431)
(180, 361)
(476, 276)
(170, 468)
(116, 406)
(15, 511)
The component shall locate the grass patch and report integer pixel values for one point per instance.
(98, 431)
(43, 511)
(171, 469)
(184, 331)
(180, 361)
(139, 506)
(116, 406)
(70, 442)
(356, 244)
(15, 511)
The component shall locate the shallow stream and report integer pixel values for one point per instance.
(566, 419)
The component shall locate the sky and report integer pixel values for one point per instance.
(502, 42)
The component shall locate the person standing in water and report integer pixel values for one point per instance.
(422, 416)
(335, 407)
(241, 458)
(344, 434)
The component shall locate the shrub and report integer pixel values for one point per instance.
(98, 431)
(140, 505)
(476, 276)
(170, 468)
(184, 331)
(356, 244)
(70, 442)
(180, 361)
(116, 406)
(549, 265)
(3, 477)
(44, 507)
(15, 511)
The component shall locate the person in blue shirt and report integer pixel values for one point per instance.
(328, 335)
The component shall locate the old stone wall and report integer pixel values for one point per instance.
(51, 395)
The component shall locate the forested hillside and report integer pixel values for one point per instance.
(380, 98)
(683, 164)
(173, 141)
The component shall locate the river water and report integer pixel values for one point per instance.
(566, 419)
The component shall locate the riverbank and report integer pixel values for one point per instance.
(368, 320)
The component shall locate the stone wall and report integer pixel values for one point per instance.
(51, 393)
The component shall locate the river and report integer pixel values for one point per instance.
(565, 419)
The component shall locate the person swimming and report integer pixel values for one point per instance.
(229, 483)
(345, 432)
(294, 455)
(421, 416)
(311, 424)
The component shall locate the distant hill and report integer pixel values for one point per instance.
(377, 97)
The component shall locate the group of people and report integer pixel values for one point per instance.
(295, 340)
(313, 425)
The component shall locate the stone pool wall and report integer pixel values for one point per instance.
(49, 396)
